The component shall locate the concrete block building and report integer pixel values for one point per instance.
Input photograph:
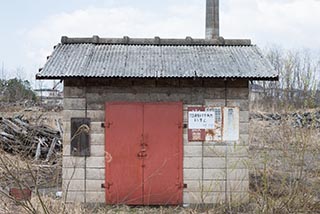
(157, 121)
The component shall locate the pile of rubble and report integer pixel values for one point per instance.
(18, 136)
(297, 119)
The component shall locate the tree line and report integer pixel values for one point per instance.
(16, 90)
(299, 81)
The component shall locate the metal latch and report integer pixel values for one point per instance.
(109, 184)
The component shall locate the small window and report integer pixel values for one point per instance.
(80, 138)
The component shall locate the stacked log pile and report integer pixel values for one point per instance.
(18, 136)
(296, 119)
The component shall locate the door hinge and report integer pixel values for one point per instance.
(180, 185)
(106, 125)
(109, 184)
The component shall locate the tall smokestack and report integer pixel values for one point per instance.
(212, 19)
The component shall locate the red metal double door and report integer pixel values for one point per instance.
(144, 153)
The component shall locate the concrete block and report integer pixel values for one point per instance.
(71, 162)
(214, 198)
(95, 162)
(206, 185)
(192, 163)
(68, 114)
(215, 102)
(214, 151)
(238, 174)
(233, 150)
(96, 115)
(66, 137)
(96, 128)
(244, 139)
(214, 174)
(238, 93)
(192, 150)
(97, 150)
(74, 197)
(95, 197)
(214, 162)
(67, 127)
(192, 197)
(73, 185)
(238, 163)
(244, 116)
(74, 103)
(95, 105)
(73, 92)
(95, 173)
(97, 139)
(214, 186)
(66, 149)
(73, 173)
(192, 174)
(95, 185)
(244, 128)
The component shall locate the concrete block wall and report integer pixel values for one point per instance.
(213, 172)
(216, 172)
(82, 177)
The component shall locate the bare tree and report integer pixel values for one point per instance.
(298, 83)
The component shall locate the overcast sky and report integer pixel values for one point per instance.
(30, 28)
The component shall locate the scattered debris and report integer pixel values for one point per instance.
(18, 136)
(297, 119)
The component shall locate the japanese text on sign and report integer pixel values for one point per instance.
(201, 119)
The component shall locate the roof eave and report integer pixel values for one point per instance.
(275, 78)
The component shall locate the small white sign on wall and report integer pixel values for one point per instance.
(231, 124)
(201, 120)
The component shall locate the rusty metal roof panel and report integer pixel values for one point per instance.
(157, 61)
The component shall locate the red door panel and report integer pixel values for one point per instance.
(163, 164)
(144, 153)
(123, 168)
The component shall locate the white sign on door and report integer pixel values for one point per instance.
(201, 120)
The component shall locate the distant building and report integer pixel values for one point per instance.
(50, 97)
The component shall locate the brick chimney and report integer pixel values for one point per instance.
(212, 19)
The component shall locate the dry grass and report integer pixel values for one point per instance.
(285, 171)
(284, 178)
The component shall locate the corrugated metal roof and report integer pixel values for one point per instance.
(156, 61)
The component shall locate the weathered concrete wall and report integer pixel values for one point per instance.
(213, 172)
